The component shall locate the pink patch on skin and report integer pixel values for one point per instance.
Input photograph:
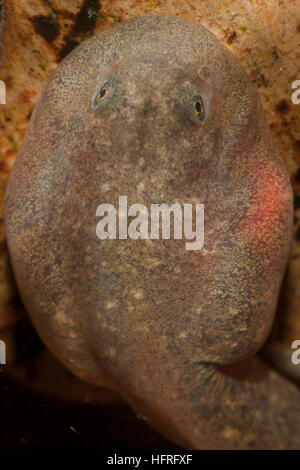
(271, 196)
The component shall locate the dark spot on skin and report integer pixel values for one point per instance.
(297, 176)
(262, 79)
(232, 37)
(29, 115)
(282, 106)
(298, 28)
(87, 17)
(70, 44)
(297, 234)
(296, 201)
(275, 53)
(46, 26)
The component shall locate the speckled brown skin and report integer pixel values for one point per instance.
(174, 330)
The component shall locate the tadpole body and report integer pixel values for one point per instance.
(158, 110)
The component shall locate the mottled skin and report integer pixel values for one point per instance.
(175, 331)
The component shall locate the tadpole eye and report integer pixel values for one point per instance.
(101, 93)
(199, 107)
